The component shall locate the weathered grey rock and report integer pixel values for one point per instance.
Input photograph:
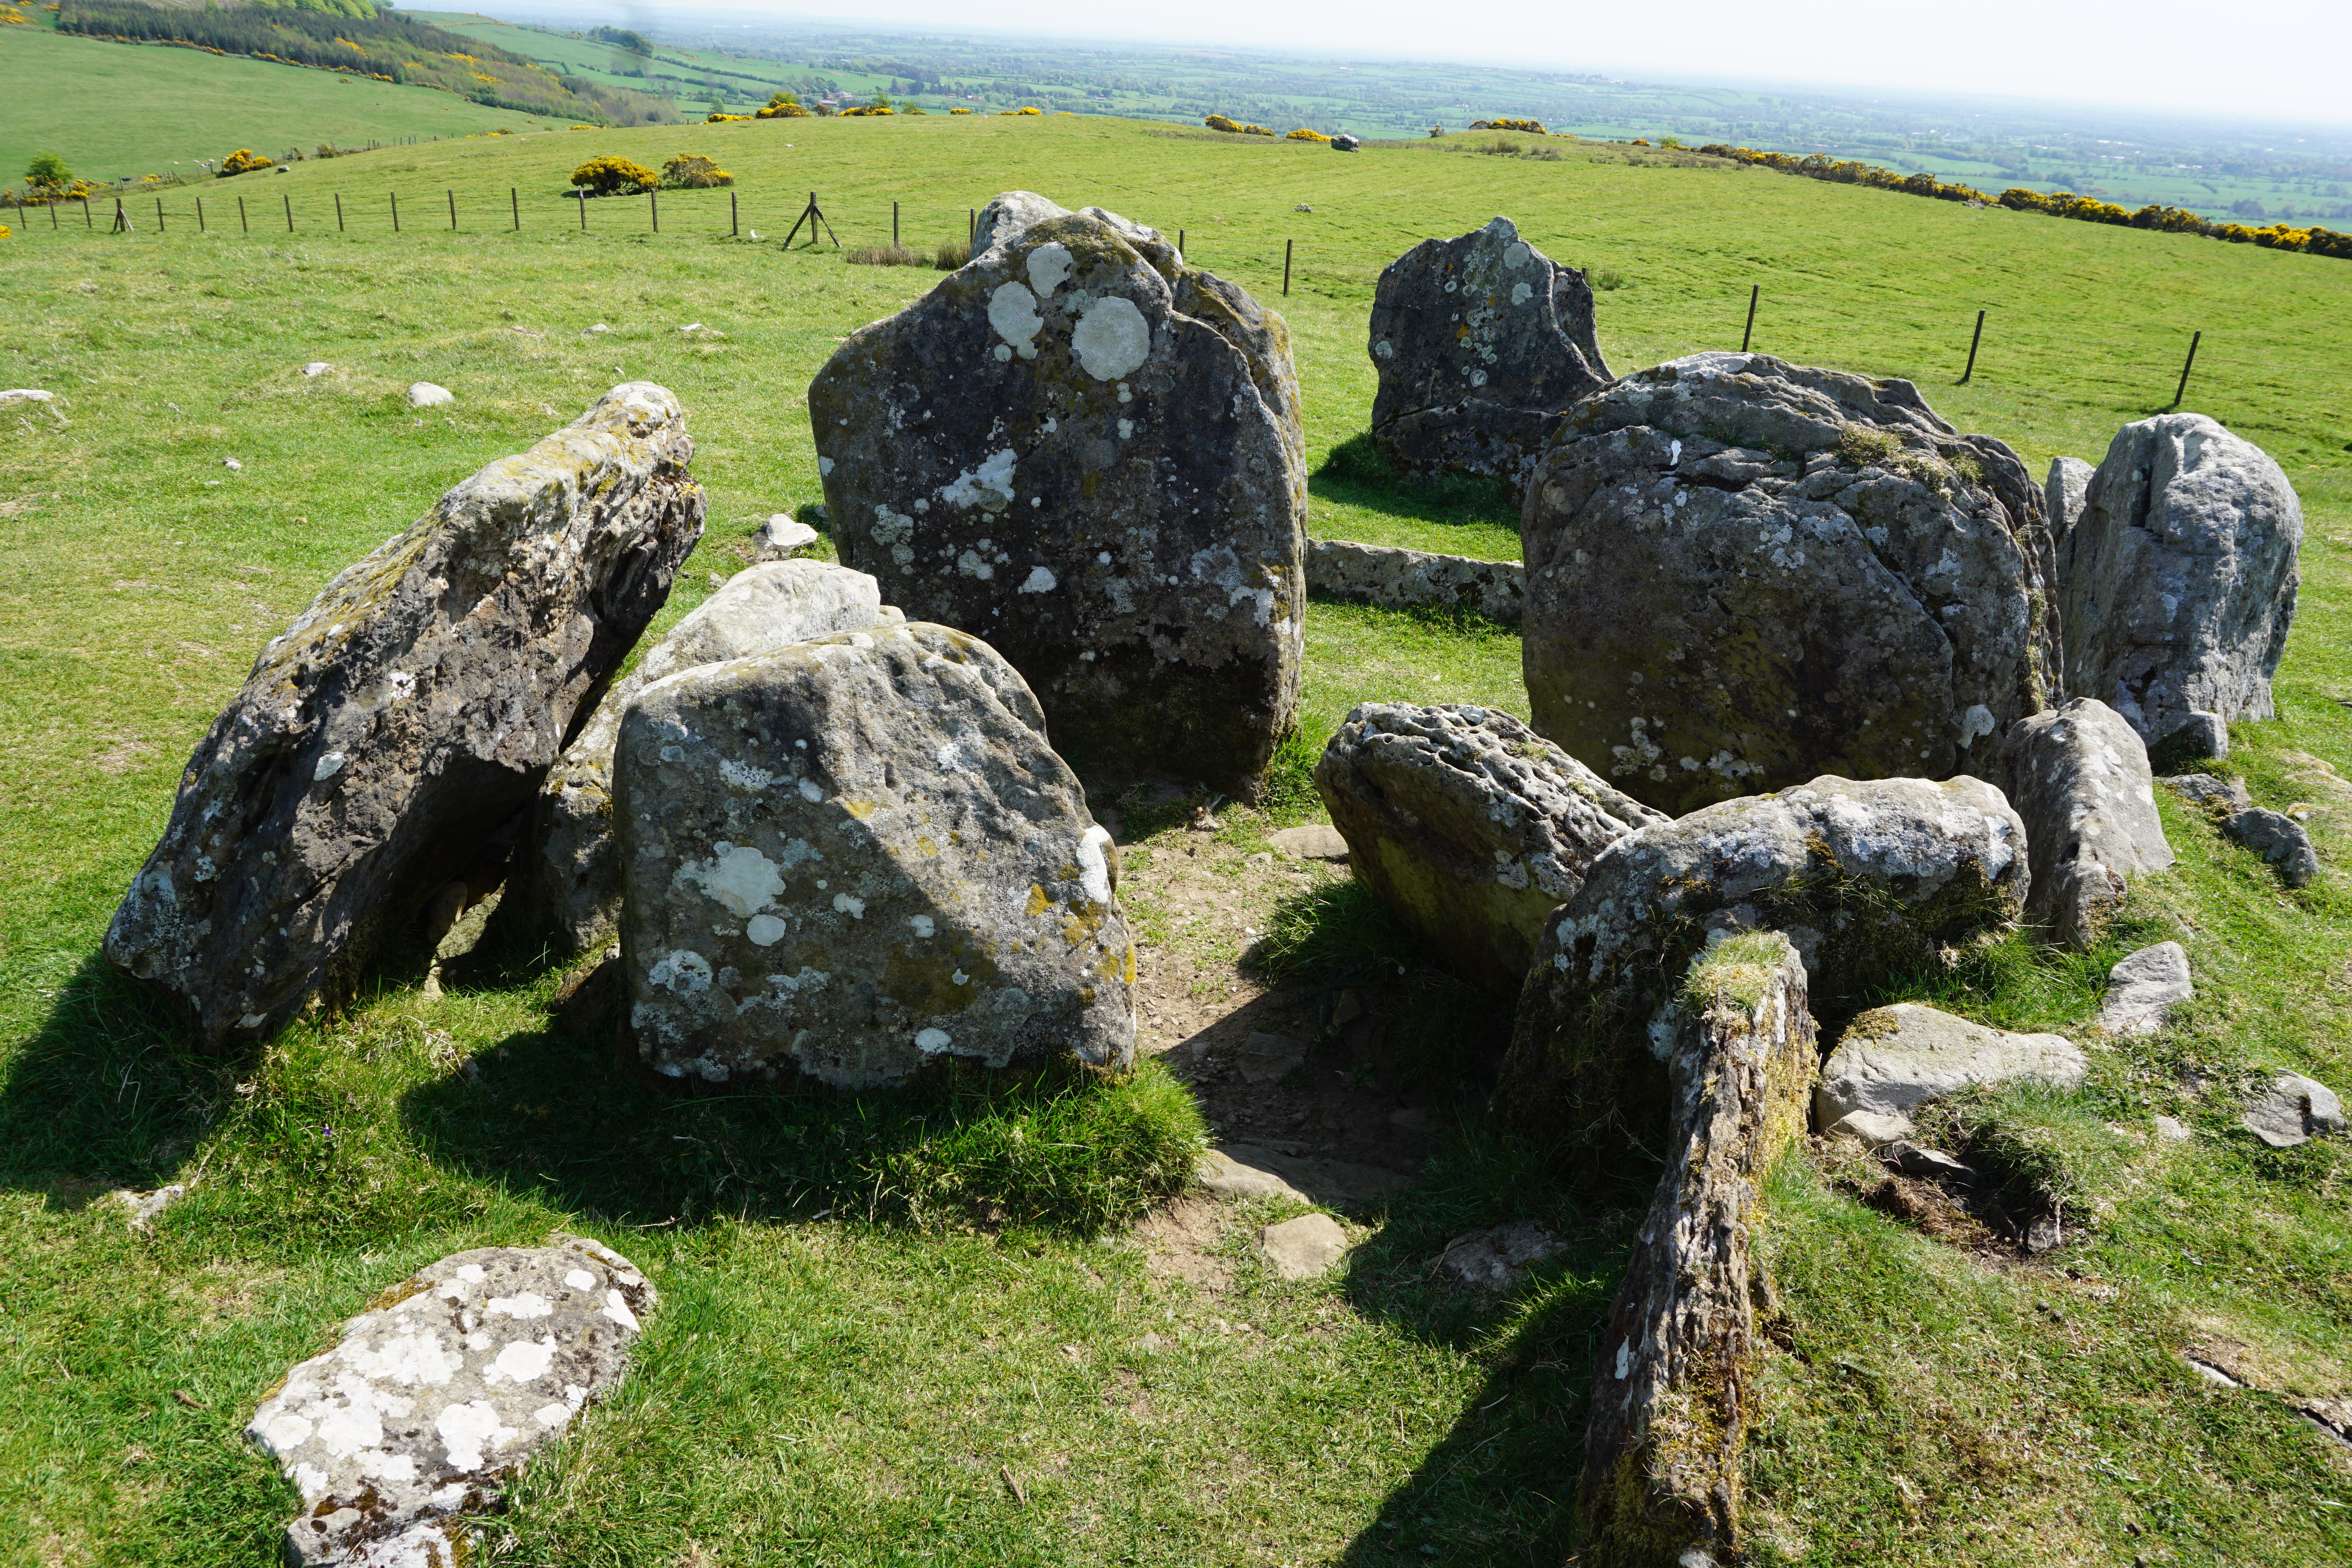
(1875, 1128)
(1090, 455)
(1304, 1248)
(1480, 344)
(1742, 573)
(1343, 142)
(1468, 825)
(1311, 841)
(442, 1388)
(1266, 1057)
(17, 396)
(781, 538)
(1496, 1259)
(317, 367)
(2078, 777)
(2171, 1128)
(2144, 988)
(2218, 797)
(1892, 1060)
(385, 741)
(425, 394)
(2277, 839)
(854, 855)
(1876, 878)
(146, 1208)
(566, 886)
(1415, 579)
(2200, 735)
(2063, 492)
(2178, 583)
(1929, 1164)
(2291, 1108)
(1245, 1171)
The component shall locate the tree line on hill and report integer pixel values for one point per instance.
(387, 47)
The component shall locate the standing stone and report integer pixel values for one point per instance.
(1480, 342)
(2078, 776)
(1089, 454)
(384, 742)
(2179, 580)
(1870, 880)
(566, 889)
(2063, 491)
(1468, 826)
(1672, 1383)
(1742, 573)
(442, 1388)
(855, 855)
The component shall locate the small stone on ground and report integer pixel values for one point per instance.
(1266, 1058)
(1498, 1259)
(2291, 1109)
(425, 394)
(2143, 989)
(1315, 841)
(1305, 1247)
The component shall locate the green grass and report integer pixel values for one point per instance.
(868, 1303)
(116, 110)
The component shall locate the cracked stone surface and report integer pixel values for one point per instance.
(1481, 343)
(1089, 454)
(387, 740)
(444, 1387)
(856, 854)
(1742, 573)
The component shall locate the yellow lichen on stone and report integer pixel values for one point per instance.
(1038, 900)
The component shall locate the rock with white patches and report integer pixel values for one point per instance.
(2178, 583)
(1481, 343)
(566, 886)
(442, 1389)
(2078, 776)
(1869, 879)
(384, 745)
(2069, 480)
(854, 856)
(1089, 454)
(1469, 826)
(1399, 579)
(1742, 573)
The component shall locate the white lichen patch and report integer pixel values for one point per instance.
(989, 485)
(1112, 339)
(1049, 268)
(738, 877)
(1012, 313)
(1039, 581)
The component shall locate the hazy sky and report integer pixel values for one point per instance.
(2286, 59)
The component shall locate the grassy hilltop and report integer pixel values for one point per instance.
(876, 1315)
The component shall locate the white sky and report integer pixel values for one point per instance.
(2273, 59)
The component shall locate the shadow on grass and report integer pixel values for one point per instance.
(1357, 473)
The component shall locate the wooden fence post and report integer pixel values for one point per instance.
(1180, 242)
(1970, 372)
(1286, 268)
(652, 200)
(88, 222)
(894, 225)
(395, 210)
(159, 228)
(1755, 291)
(200, 215)
(734, 214)
(2182, 390)
(453, 212)
(339, 212)
(514, 200)
(290, 213)
(243, 223)
(582, 194)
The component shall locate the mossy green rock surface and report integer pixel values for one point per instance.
(1742, 573)
(1089, 454)
(857, 855)
(383, 742)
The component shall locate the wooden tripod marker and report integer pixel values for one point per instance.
(122, 220)
(1970, 372)
(1754, 292)
(813, 216)
(2182, 390)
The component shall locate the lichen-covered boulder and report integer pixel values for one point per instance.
(2178, 581)
(386, 738)
(1469, 826)
(857, 855)
(1743, 572)
(566, 886)
(2078, 778)
(1480, 344)
(2063, 491)
(1398, 579)
(445, 1386)
(1871, 880)
(1089, 454)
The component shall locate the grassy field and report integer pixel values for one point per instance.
(848, 1363)
(141, 110)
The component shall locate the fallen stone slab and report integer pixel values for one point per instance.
(1468, 826)
(566, 886)
(1314, 841)
(2177, 584)
(1496, 1259)
(1893, 1060)
(857, 855)
(2216, 796)
(445, 1388)
(2078, 776)
(2279, 839)
(2144, 988)
(1306, 1248)
(2291, 1109)
(386, 742)
(1397, 579)
(1873, 1128)
(1480, 342)
(1247, 1171)
(781, 538)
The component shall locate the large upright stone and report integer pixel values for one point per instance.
(1481, 343)
(2178, 581)
(2078, 776)
(1089, 454)
(856, 854)
(383, 742)
(1742, 573)
(1468, 826)
(566, 886)
(1871, 880)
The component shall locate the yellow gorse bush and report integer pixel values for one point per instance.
(613, 176)
(693, 172)
(1304, 134)
(243, 161)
